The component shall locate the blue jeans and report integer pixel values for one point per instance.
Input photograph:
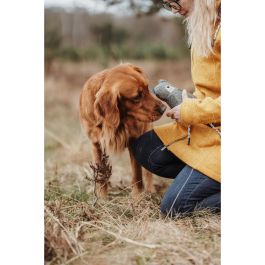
(190, 190)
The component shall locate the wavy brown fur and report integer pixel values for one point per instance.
(115, 108)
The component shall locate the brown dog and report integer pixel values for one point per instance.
(115, 108)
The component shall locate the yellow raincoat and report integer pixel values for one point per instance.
(203, 153)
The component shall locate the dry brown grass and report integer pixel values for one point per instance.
(119, 230)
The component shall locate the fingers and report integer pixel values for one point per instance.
(174, 113)
(171, 111)
(172, 116)
(169, 114)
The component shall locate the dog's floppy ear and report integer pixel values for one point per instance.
(137, 69)
(106, 108)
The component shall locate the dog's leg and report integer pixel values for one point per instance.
(96, 152)
(102, 185)
(137, 181)
(148, 181)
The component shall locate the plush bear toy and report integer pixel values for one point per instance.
(168, 93)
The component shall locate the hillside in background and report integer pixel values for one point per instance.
(77, 35)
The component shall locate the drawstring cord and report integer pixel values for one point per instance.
(210, 124)
(216, 129)
(189, 134)
(181, 138)
(189, 137)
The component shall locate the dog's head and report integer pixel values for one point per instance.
(124, 93)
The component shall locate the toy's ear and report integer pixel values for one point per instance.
(106, 108)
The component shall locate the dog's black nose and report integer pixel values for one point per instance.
(161, 109)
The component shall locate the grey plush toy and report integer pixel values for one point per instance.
(168, 93)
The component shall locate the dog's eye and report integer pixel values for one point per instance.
(137, 98)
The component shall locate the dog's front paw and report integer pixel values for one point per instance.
(136, 193)
(150, 189)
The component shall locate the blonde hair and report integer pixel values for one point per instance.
(200, 26)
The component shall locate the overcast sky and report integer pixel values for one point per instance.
(93, 6)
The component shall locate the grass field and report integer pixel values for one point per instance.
(119, 230)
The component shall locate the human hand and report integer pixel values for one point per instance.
(174, 113)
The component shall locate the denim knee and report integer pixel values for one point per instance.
(189, 190)
(145, 147)
(172, 206)
(155, 159)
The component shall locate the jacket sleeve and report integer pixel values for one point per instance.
(200, 111)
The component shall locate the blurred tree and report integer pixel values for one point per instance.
(107, 36)
(52, 44)
(80, 35)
